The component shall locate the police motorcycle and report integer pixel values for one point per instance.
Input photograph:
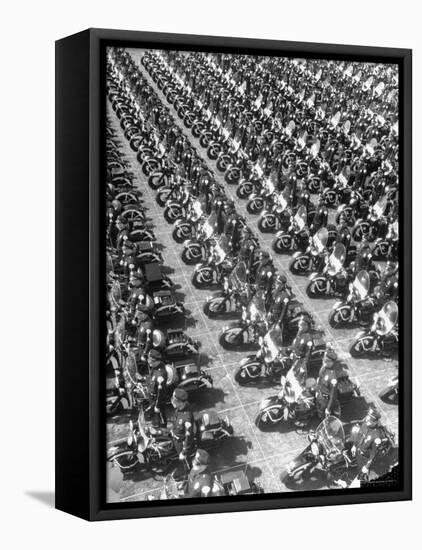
(386, 248)
(390, 394)
(161, 178)
(278, 218)
(267, 362)
(358, 307)
(294, 403)
(232, 483)
(327, 454)
(374, 225)
(251, 182)
(173, 343)
(198, 249)
(228, 301)
(149, 446)
(314, 255)
(333, 278)
(245, 332)
(258, 201)
(381, 339)
(218, 265)
(158, 298)
(186, 228)
(177, 209)
(172, 192)
(296, 236)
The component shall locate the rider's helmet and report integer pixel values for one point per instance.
(330, 356)
(372, 417)
(155, 359)
(201, 460)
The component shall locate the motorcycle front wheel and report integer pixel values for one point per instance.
(362, 347)
(267, 418)
(202, 278)
(248, 373)
(267, 223)
(300, 265)
(317, 288)
(182, 232)
(231, 339)
(340, 317)
(213, 308)
(172, 213)
(192, 254)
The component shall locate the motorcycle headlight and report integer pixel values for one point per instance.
(314, 448)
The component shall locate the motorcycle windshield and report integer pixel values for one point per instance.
(336, 259)
(238, 276)
(196, 210)
(257, 307)
(281, 202)
(273, 342)
(387, 318)
(300, 218)
(320, 239)
(330, 435)
(361, 284)
(379, 207)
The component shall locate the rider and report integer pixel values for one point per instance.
(366, 440)
(279, 298)
(183, 431)
(158, 388)
(326, 391)
(200, 481)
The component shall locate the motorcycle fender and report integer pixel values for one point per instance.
(360, 334)
(234, 324)
(269, 402)
(299, 461)
(313, 276)
(337, 305)
(247, 360)
(253, 196)
(217, 294)
(297, 254)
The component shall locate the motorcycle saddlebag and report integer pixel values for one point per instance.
(210, 420)
(238, 480)
(153, 273)
(145, 246)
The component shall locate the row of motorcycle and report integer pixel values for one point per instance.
(172, 170)
(341, 259)
(141, 308)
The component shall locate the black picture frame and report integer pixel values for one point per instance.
(80, 264)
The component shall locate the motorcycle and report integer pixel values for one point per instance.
(151, 446)
(313, 257)
(358, 306)
(229, 300)
(218, 265)
(197, 250)
(245, 332)
(226, 484)
(333, 279)
(174, 343)
(277, 218)
(295, 237)
(186, 228)
(382, 337)
(390, 394)
(326, 453)
(267, 362)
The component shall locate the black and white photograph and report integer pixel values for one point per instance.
(252, 215)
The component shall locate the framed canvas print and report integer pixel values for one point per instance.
(233, 274)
